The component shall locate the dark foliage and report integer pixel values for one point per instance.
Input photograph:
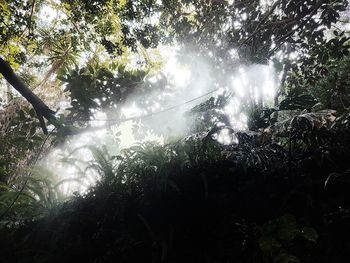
(278, 193)
(198, 201)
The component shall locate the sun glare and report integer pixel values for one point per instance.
(188, 81)
(48, 14)
(226, 137)
(257, 83)
(131, 111)
(178, 74)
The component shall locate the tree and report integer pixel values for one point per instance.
(277, 191)
(39, 106)
(224, 34)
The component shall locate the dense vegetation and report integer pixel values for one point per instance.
(275, 190)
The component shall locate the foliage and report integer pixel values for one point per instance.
(96, 87)
(191, 200)
(278, 192)
(322, 74)
(31, 197)
(18, 136)
(209, 114)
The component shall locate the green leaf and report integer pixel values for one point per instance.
(285, 258)
(269, 228)
(269, 245)
(32, 113)
(22, 115)
(287, 227)
(309, 234)
(62, 78)
(32, 131)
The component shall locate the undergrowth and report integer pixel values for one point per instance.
(280, 198)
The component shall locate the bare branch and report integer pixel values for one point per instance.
(256, 30)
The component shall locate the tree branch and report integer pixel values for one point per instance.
(256, 30)
(42, 110)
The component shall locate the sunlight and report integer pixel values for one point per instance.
(238, 87)
(248, 83)
(100, 116)
(127, 138)
(131, 111)
(258, 79)
(48, 14)
(226, 137)
(71, 172)
(174, 131)
(254, 83)
(178, 74)
(233, 53)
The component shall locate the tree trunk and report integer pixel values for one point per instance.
(40, 107)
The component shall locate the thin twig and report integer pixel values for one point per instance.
(29, 26)
(256, 30)
(31, 16)
(289, 34)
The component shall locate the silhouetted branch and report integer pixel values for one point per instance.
(42, 110)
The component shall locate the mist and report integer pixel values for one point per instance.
(189, 83)
(161, 115)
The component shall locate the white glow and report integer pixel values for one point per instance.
(185, 82)
(237, 24)
(127, 138)
(48, 14)
(226, 137)
(132, 111)
(178, 74)
(293, 55)
(256, 83)
(71, 172)
(238, 87)
(153, 79)
(233, 53)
